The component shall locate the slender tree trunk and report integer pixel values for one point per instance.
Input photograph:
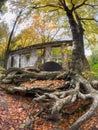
(9, 40)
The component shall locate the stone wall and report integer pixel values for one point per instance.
(21, 58)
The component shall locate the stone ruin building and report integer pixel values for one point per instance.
(38, 54)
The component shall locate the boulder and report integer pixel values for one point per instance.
(51, 66)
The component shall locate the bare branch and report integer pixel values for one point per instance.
(47, 5)
(92, 5)
(63, 4)
(55, 34)
(93, 19)
(78, 6)
(72, 5)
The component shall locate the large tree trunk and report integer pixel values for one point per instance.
(79, 62)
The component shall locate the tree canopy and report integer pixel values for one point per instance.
(87, 10)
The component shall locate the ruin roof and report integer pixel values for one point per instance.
(28, 49)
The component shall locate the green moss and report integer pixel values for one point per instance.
(94, 69)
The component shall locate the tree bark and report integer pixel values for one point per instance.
(18, 75)
(79, 62)
(55, 100)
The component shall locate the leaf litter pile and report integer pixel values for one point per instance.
(14, 111)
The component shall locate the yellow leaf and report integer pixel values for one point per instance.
(12, 128)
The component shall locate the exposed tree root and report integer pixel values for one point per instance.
(53, 101)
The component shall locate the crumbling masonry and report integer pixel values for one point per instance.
(34, 55)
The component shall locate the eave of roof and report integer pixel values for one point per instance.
(40, 46)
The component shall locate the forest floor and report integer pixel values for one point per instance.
(14, 111)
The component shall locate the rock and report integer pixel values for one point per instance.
(51, 66)
(4, 104)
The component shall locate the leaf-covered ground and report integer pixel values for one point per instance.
(14, 111)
